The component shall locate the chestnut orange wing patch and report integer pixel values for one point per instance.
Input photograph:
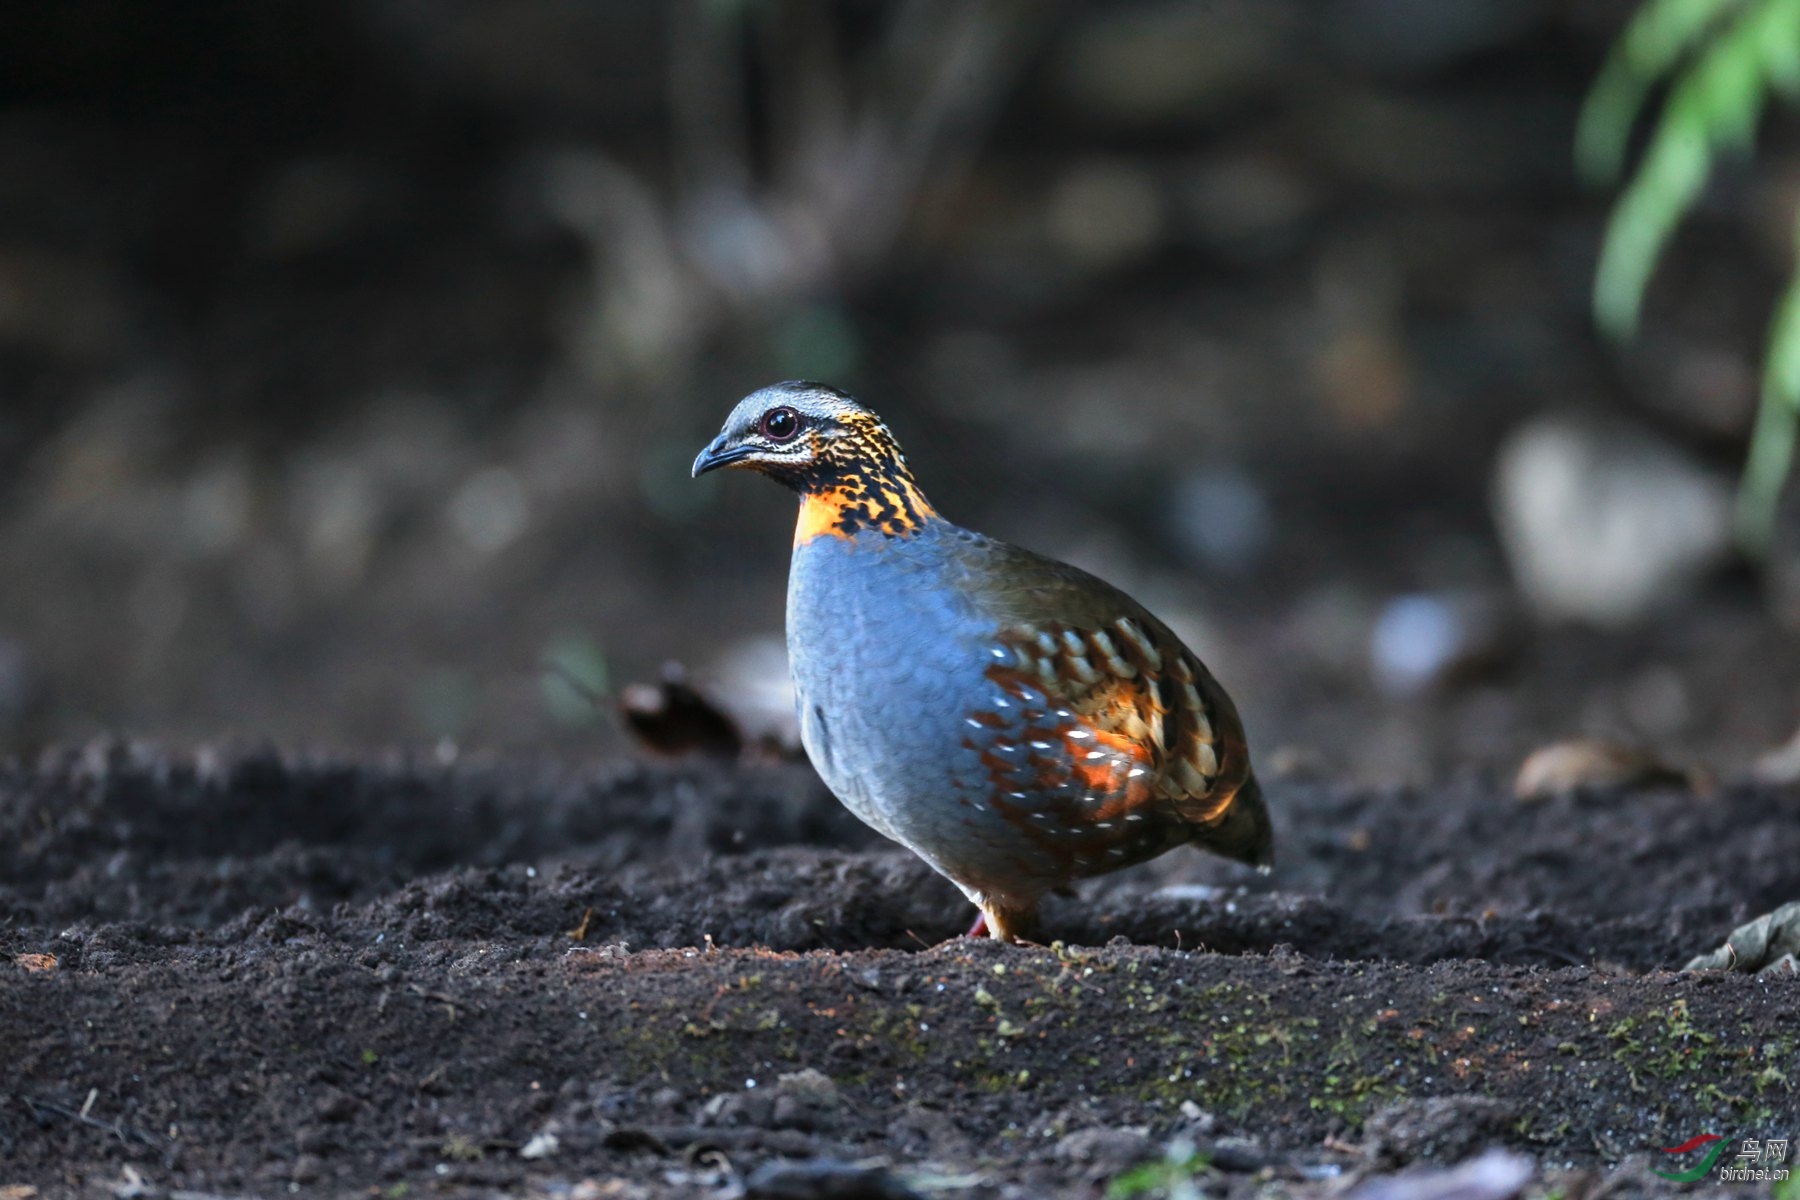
(1146, 720)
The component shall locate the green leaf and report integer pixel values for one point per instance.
(1726, 85)
(1779, 42)
(1713, 104)
(1659, 36)
(1777, 426)
(1607, 116)
(1664, 188)
(1736, 53)
(1664, 30)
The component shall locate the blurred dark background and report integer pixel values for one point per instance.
(352, 355)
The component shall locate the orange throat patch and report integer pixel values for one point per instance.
(892, 507)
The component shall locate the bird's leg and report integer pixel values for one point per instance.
(979, 928)
(1004, 924)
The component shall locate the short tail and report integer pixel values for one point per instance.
(1243, 832)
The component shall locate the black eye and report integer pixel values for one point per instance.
(780, 424)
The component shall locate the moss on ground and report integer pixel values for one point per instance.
(1144, 1031)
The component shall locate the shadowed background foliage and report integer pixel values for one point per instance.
(352, 356)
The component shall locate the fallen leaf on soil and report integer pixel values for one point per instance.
(34, 963)
(17, 1191)
(1563, 768)
(1765, 946)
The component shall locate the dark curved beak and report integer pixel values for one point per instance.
(720, 454)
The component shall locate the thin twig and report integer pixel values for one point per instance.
(119, 1129)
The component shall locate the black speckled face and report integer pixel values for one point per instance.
(833, 451)
(785, 431)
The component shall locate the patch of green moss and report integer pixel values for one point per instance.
(1664, 1043)
(1140, 1036)
(1667, 1044)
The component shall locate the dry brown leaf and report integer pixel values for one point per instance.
(34, 963)
(17, 1191)
(1563, 768)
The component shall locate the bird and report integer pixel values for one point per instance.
(1016, 722)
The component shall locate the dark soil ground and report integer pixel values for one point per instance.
(275, 976)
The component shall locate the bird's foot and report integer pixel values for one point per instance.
(1004, 924)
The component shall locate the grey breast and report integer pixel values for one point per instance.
(885, 660)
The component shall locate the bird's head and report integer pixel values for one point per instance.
(837, 454)
(805, 435)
